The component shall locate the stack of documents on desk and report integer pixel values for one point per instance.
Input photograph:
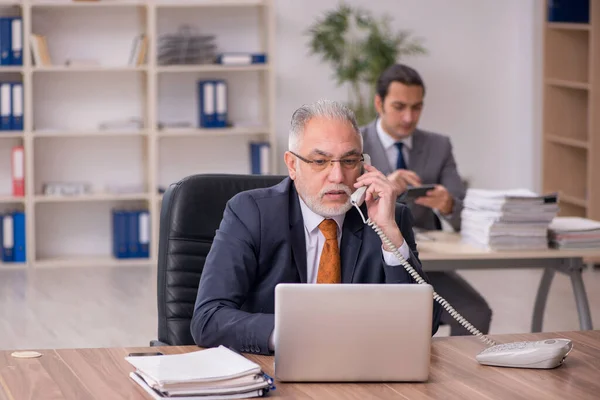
(574, 233)
(507, 220)
(215, 373)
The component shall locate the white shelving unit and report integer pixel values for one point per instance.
(64, 106)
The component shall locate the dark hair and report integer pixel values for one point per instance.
(398, 73)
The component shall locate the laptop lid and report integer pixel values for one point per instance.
(353, 332)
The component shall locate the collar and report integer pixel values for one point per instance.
(387, 141)
(312, 220)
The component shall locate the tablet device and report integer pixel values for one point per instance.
(414, 192)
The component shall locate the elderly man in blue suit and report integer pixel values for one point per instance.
(303, 230)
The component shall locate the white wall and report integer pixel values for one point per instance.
(481, 75)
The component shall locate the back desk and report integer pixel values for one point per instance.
(444, 251)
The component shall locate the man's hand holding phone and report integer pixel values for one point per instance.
(439, 198)
(381, 203)
(403, 178)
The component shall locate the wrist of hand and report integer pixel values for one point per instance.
(448, 207)
(392, 232)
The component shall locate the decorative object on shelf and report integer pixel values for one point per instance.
(359, 47)
(175, 125)
(138, 50)
(129, 124)
(186, 47)
(39, 50)
(66, 188)
(82, 62)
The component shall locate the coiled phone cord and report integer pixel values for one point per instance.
(415, 275)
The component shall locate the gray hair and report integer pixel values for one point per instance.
(324, 109)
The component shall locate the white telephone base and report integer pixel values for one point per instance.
(543, 354)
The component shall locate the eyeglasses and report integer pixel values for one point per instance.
(319, 164)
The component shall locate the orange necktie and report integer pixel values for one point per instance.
(330, 270)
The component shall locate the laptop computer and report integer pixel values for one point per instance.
(353, 332)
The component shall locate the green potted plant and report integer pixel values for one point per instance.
(359, 47)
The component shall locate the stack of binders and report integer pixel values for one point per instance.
(12, 237)
(212, 101)
(215, 373)
(131, 233)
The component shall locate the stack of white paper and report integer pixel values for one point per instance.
(215, 373)
(507, 220)
(574, 233)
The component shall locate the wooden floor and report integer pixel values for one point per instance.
(103, 307)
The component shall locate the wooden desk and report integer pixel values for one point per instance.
(444, 251)
(455, 374)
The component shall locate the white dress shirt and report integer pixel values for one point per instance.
(389, 144)
(315, 242)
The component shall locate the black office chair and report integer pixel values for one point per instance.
(191, 212)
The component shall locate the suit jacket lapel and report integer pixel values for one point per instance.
(418, 153)
(297, 234)
(352, 232)
(375, 149)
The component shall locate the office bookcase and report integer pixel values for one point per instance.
(571, 121)
(63, 105)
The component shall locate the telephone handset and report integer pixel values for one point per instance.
(535, 354)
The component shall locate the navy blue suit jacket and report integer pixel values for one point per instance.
(259, 244)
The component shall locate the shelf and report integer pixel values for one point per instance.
(580, 144)
(213, 132)
(11, 134)
(11, 69)
(211, 68)
(65, 105)
(11, 199)
(566, 172)
(71, 4)
(567, 55)
(12, 266)
(207, 3)
(566, 113)
(9, 3)
(91, 198)
(568, 26)
(575, 201)
(99, 68)
(92, 261)
(571, 210)
(561, 83)
(89, 134)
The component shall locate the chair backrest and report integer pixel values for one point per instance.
(191, 212)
